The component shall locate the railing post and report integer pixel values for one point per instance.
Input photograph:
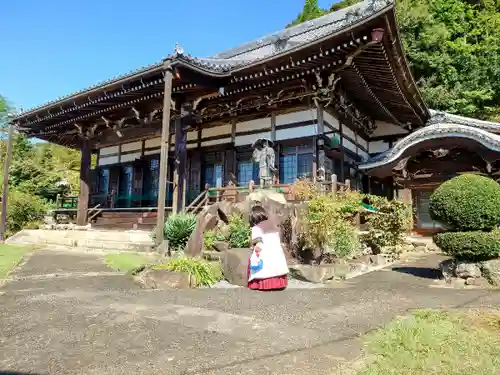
(58, 201)
(334, 183)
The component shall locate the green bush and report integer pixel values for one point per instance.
(345, 240)
(328, 224)
(467, 202)
(470, 245)
(178, 228)
(204, 273)
(239, 232)
(24, 210)
(211, 237)
(388, 227)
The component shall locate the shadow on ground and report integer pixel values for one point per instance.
(422, 272)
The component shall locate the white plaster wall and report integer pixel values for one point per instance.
(349, 145)
(262, 123)
(130, 157)
(216, 131)
(331, 120)
(108, 160)
(375, 147)
(153, 142)
(385, 128)
(131, 146)
(249, 139)
(298, 132)
(216, 142)
(300, 116)
(108, 150)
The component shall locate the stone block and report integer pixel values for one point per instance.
(465, 270)
(447, 268)
(221, 246)
(163, 279)
(491, 271)
(234, 264)
(477, 281)
(205, 221)
(319, 273)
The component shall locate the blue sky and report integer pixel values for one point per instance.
(54, 47)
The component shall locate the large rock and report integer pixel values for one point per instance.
(447, 268)
(235, 266)
(163, 279)
(319, 273)
(221, 246)
(491, 271)
(225, 209)
(205, 221)
(465, 270)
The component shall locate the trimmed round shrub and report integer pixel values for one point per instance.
(470, 245)
(178, 228)
(467, 202)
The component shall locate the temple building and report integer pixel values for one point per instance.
(334, 95)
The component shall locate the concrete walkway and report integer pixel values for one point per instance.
(65, 313)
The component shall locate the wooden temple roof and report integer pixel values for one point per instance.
(357, 47)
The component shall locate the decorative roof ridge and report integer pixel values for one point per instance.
(223, 62)
(373, 6)
(432, 131)
(447, 118)
(95, 86)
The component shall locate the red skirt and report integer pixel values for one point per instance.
(271, 283)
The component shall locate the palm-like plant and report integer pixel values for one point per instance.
(178, 228)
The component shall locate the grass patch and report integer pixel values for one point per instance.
(436, 342)
(10, 256)
(128, 262)
(205, 273)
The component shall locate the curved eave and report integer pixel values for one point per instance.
(429, 133)
(225, 64)
(449, 118)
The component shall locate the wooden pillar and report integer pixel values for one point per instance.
(5, 187)
(320, 146)
(165, 147)
(342, 154)
(180, 162)
(83, 197)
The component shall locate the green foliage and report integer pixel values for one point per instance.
(204, 273)
(467, 202)
(239, 232)
(453, 50)
(23, 209)
(11, 256)
(328, 223)
(178, 228)
(128, 262)
(310, 11)
(390, 225)
(470, 245)
(211, 237)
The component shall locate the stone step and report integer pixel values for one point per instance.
(102, 240)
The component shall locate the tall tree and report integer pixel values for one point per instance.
(454, 51)
(310, 11)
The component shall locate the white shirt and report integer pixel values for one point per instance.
(271, 261)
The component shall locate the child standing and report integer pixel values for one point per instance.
(267, 267)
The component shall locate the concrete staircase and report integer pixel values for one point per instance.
(86, 240)
(125, 221)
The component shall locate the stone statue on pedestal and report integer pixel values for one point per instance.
(263, 153)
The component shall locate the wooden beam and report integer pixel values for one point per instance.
(165, 147)
(83, 197)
